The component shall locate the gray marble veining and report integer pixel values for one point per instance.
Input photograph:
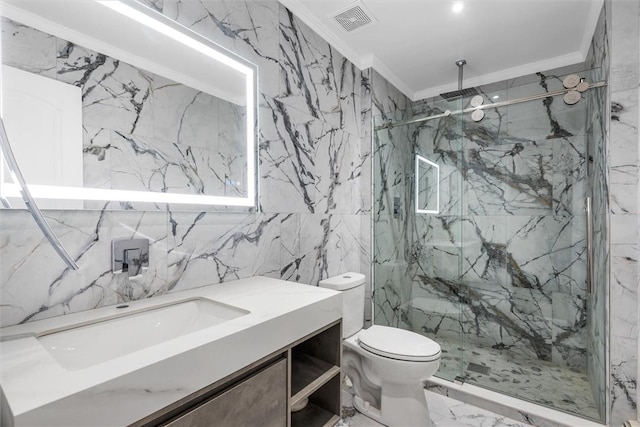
(546, 383)
(307, 237)
(503, 264)
(312, 168)
(624, 77)
(510, 227)
(444, 412)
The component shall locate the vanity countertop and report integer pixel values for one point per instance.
(127, 388)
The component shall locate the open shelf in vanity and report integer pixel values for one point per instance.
(315, 375)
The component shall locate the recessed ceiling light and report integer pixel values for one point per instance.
(457, 7)
(496, 96)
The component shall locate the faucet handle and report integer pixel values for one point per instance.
(130, 256)
(131, 262)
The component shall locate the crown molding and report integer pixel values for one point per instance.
(509, 73)
(382, 69)
(369, 60)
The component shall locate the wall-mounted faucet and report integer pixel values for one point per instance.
(130, 256)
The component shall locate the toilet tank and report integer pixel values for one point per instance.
(352, 287)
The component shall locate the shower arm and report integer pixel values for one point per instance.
(460, 63)
(17, 177)
(448, 113)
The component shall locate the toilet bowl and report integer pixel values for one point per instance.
(387, 366)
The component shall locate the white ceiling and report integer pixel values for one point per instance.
(415, 43)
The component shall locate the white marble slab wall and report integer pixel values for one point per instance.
(623, 196)
(315, 196)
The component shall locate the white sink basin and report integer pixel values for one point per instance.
(89, 344)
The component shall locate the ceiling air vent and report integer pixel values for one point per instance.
(354, 17)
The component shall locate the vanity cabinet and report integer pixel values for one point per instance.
(215, 370)
(259, 400)
(269, 392)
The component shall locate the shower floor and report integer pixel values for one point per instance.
(538, 381)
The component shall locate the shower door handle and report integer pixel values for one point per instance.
(589, 209)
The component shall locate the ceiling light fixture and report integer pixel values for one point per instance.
(457, 7)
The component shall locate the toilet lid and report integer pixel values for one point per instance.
(399, 344)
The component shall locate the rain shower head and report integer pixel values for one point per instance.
(471, 91)
(450, 96)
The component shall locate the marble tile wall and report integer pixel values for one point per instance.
(624, 81)
(314, 178)
(315, 220)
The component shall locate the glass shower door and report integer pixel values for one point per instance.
(524, 262)
(480, 238)
(417, 232)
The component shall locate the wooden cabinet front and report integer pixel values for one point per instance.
(260, 400)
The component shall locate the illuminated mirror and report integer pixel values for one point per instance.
(112, 101)
(427, 186)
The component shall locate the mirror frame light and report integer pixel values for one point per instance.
(166, 26)
(419, 159)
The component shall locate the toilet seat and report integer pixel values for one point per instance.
(399, 344)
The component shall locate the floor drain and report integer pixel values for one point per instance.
(479, 369)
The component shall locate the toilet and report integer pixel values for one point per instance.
(387, 366)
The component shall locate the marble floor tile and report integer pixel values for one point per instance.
(539, 381)
(445, 412)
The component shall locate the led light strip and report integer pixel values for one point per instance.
(79, 193)
(154, 24)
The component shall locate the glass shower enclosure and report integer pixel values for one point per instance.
(480, 239)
